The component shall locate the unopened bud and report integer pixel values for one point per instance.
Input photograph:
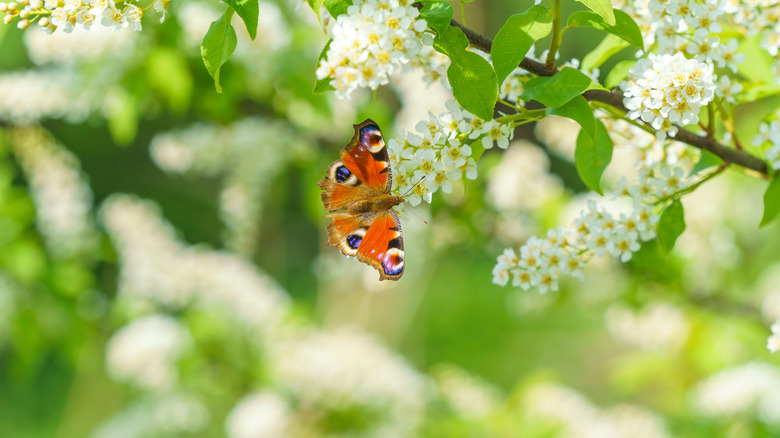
(3, 7)
(24, 2)
(43, 22)
(23, 24)
(24, 13)
(8, 19)
(13, 6)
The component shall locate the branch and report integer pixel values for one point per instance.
(614, 98)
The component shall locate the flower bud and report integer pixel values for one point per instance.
(8, 19)
(13, 6)
(23, 24)
(3, 7)
(24, 13)
(43, 22)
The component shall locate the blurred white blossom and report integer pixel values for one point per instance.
(262, 414)
(347, 368)
(657, 326)
(63, 199)
(750, 388)
(145, 352)
(581, 419)
(468, 395)
(157, 267)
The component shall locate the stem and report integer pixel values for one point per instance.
(556, 35)
(694, 186)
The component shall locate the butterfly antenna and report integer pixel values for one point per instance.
(418, 216)
(415, 185)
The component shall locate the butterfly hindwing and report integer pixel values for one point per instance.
(375, 238)
(366, 157)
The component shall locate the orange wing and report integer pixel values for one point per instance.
(375, 238)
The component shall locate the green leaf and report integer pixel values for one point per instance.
(554, 91)
(618, 73)
(316, 6)
(323, 85)
(168, 74)
(706, 160)
(578, 110)
(671, 225)
(771, 201)
(473, 83)
(607, 48)
(516, 37)
(758, 65)
(217, 46)
(249, 11)
(601, 7)
(592, 156)
(438, 15)
(451, 43)
(624, 27)
(337, 7)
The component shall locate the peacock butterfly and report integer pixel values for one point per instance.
(360, 182)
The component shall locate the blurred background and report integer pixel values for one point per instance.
(164, 268)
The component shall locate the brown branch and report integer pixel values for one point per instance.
(614, 98)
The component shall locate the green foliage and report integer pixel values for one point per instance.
(248, 10)
(603, 8)
(624, 27)
(555, 91)
(671, 225)
(771, 201)
(618, 73)
(471, 77)
(323, 85)
(706, 160)
(578, 110)
(218, 45)
(592, 156)
(438, 16)
(517, 36)
(608, 47)
(337, 7)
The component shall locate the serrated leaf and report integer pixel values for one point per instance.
(323, 85)
(554, 91)
(771, 201)
(601, 7)
(607, 48)
(316, 6)
(578, 110)
(473, 83)
(516, 37)
(618, 73)
(438, 15)
(592, 156)
(671, 225)
(706, 160)
(249, 11)
(218, 45)
(625, 27)
(337, 7)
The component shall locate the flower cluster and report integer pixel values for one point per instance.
(374, 39)
(440, 152)
(660, 171)
(769, 132)
(67, 15)
(666, 89)
(658, 326)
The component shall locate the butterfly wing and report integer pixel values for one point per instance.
(361, 172)
(375, 238)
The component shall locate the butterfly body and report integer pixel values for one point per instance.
(359, 184)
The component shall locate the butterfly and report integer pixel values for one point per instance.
(359, 183)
